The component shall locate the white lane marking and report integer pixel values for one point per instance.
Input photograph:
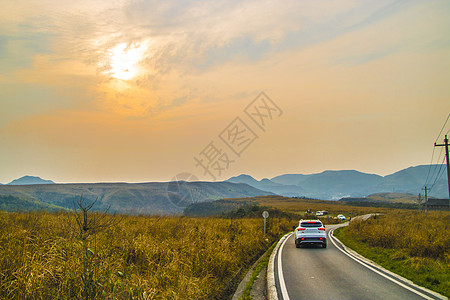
(284, 292)
(375, 270)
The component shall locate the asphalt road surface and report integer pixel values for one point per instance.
(318, 273)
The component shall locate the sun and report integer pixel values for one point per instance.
(125, 60)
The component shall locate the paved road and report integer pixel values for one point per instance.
(317, 273)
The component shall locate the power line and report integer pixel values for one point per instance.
(442, 128)
(438, 160)
(434, 166)
(447, 159)
(432, 155)
(438, 175)
(429, 167)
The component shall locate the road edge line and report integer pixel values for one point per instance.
(283, 288)
(272, 293)
(374, 266)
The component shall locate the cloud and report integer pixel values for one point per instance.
(337, 68)
(195, 48)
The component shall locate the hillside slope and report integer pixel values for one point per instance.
(137, 198)
(20, 204)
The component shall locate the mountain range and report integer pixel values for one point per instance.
(173, 197)
(131, 198)
(334, 185)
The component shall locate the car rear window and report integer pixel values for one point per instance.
(311, 224)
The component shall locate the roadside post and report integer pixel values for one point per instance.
(265, 215)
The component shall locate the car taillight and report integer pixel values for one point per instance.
(300, 229)
(321, 228)
(321, 239)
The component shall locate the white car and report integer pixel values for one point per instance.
(341, 217)
(310, 232)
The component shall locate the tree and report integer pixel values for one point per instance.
(88, 225)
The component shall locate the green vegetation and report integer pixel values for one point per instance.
(235, 208)
(393, 197)
(291, 209)
(215, 208)
(14, 203)
(387, 200)
(411, 244)
(300, 206)
(264, 261)
(43, 255)
(390, 205)
(131, 198)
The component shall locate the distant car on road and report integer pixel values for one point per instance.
(341, 217)
(310, 232)
(321, 213)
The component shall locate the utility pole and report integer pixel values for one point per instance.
(426, 195)
(426, 199)
(447, 158)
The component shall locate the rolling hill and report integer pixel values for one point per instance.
(14, 203)
(173, 197)
(386, 198)
(132, 198)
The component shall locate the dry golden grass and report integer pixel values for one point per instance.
(138, 258)
(394, 197)
(299, 206)
(419, 234)
(411, 243)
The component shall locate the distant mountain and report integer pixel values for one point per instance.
(243, 178)
(28, 180)
(268, 185)
(173, 197)
(290, 179)
(412, 179)
(140, 198)
(334, 185)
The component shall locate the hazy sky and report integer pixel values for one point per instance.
(138, 91)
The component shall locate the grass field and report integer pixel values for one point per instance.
(42, 256)
(300, 206)
(51, 256)
(412, 244)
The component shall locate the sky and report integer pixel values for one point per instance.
(138, 91)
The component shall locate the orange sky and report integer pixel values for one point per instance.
(135, 90)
